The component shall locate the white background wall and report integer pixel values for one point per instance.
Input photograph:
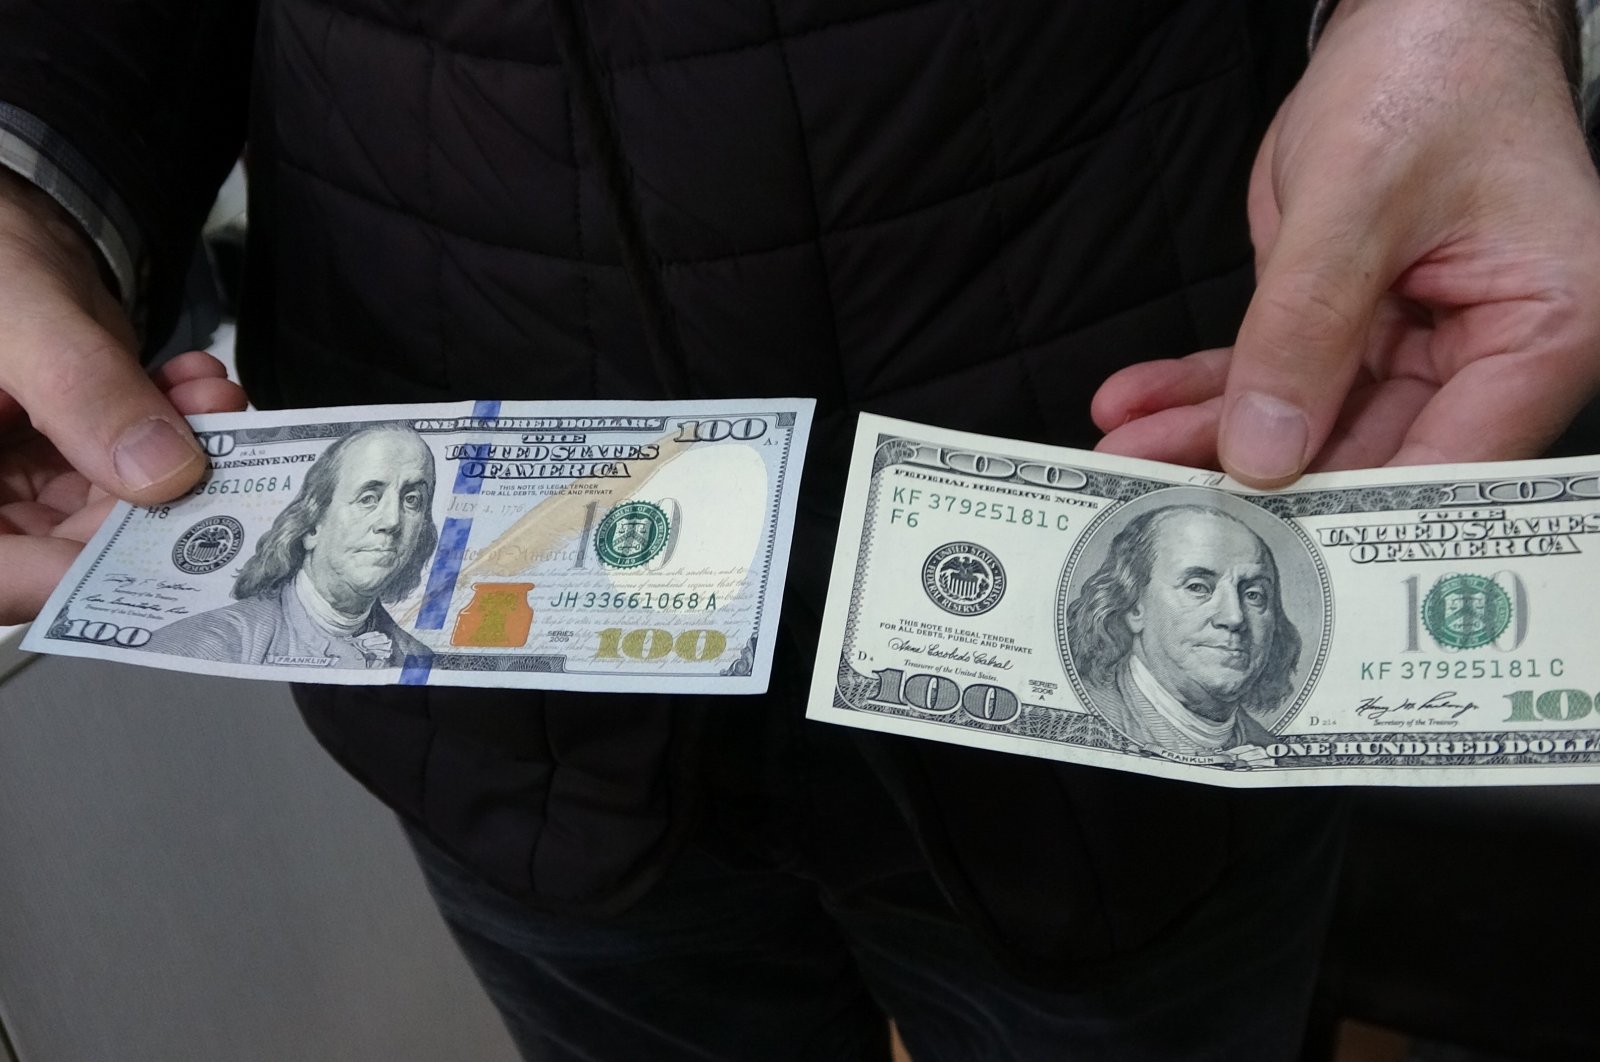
(186, 877)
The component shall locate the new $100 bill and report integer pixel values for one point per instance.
(1409, 626)
(572, 545)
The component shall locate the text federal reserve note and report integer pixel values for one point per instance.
(572, 545)
(1411, 626)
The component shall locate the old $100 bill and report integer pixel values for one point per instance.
(1410, 626)
(572, 545)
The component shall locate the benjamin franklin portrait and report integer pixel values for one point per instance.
(1180, 636)
(357, 535)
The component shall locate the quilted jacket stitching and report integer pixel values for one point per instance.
(816, 209)
(328, 98)
(670, 263)
(554, 63)
(1171, 215)
(594, 93)
(430, 197)
(780, 37)
(585, 267)
(424, 36)
(1002, 257)
(1024, 350)
(422, 219)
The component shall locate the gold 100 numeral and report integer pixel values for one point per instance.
(653, 643)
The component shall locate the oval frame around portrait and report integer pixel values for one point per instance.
(1304, 586)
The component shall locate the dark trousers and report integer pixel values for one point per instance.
(801, 913)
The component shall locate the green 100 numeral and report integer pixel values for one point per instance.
(653, 643)
(1551, 706)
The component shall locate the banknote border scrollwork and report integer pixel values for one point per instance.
(58, 628)
(888, 450)
(774, 517)
(744, 664)
(546, 663)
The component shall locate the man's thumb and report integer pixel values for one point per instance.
(1298, 351)
(86, 392)
(65, 358)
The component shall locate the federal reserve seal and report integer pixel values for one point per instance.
(631, 534)
(1466, 611)
(208, 545)
(963, 578)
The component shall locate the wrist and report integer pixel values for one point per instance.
(1466, 54)
(41, 229)
(1554, 23)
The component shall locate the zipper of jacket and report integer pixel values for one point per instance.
(639, 261)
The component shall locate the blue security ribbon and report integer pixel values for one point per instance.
(452, 545)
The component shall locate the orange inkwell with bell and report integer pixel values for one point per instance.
(497, 617)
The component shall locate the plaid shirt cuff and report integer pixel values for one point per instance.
(1588, 50)
(1589, 56)
(37, 153)
(1319, 18)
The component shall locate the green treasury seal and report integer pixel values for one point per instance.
(631, 534)
(1466, 611)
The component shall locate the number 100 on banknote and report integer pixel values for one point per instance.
(599, 546)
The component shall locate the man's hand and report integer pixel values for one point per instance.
(1427, 228)
(100, 428)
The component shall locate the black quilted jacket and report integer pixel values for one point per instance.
(960, 211)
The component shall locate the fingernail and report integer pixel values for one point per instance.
(1265, 438)
(150, 452)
